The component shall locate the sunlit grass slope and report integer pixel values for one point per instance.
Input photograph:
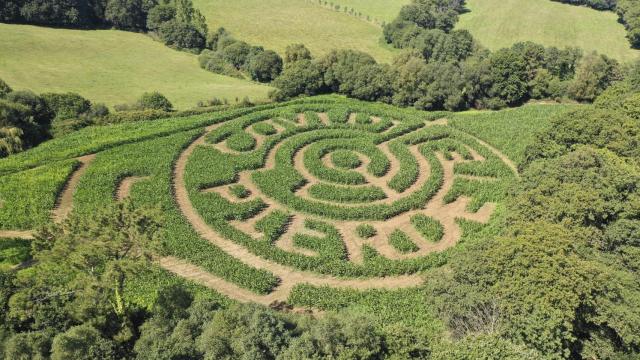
(500, 23)
(276, 24)
(382, 10)
(110, 66)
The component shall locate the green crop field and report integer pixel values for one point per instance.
(275, 25)
(281, 202)
(109, 66)
(500, 23)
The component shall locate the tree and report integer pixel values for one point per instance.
(509, 76)
(304, 77)
(594, 74)
(181, 35)
(599, 128)
(154, 100)
(82, 343)
(245, 332)
(236, 54)
(333, 337)
(265, 66)
(126, 14)
(160, 14)
(296, 52)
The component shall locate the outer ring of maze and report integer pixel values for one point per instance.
(354, 248)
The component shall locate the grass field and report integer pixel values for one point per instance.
(500, 23)
(109, 66)
(383, 10)
(276, 24)
(258, 202)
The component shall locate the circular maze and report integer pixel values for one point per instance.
(338, 196)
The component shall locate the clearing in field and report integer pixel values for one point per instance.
(264, 202)
(501, 23)
(276, 24)
(110, 66)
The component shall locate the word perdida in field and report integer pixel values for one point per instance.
(338, 192)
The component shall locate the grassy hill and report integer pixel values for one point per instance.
(383, 10)
(109, 66)
(500, 23)
(276, 24)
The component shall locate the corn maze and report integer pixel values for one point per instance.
(323, 192)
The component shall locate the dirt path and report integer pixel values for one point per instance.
(64, 204)
(124, 188)
(289, 277)
(11, 234)
(498, 153)
(446, 214)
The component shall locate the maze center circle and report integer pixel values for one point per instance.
(337, 197)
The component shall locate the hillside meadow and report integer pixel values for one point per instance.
(275, 25)
(501, 23)
(109, 66)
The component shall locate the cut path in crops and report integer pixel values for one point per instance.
(288, 277)
(64, 204)
(11, 234)
(124, 188)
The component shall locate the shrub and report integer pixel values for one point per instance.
(265, 66)
(181, 35)
(67, 105)
(296, 52)
(160, 14)
(154, 101)
(214, 62)
(4, 89)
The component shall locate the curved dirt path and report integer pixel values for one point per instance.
(124, 188)
(289, 277)
(64, 204)
(496, 152)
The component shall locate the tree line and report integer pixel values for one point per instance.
(442, 68)
(176, 22)
(226, 55)
(27, 119)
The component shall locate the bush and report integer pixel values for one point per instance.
(67, 105)
(594, 74)
(4, 89)
(296, 52)
(160, 14)
(236, 54)
(181, 35)
(265, 66)
(214, 62)
(154, 101)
